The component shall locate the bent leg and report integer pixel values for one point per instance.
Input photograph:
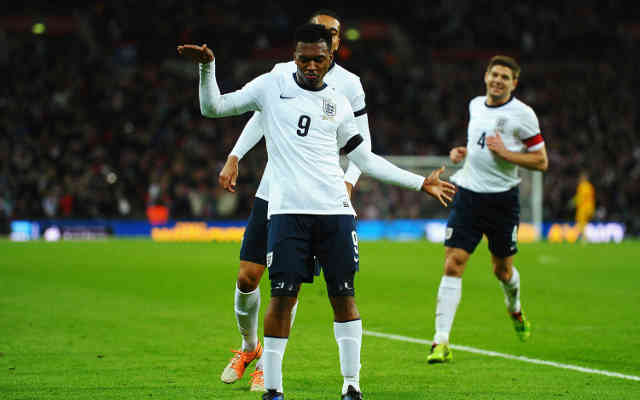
(509, 278)
(247, 303)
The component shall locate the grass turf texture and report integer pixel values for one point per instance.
(135, 319)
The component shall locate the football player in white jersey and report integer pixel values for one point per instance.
(305, 121)
(253, 250)
(503, 134)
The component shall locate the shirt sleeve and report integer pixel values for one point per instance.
(348, 128)
(250, 136)
(530, 131)
(353, 172)
(381, 169)
(213, 104)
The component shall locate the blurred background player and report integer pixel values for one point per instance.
(254, 243)
(310, 213)
(502, 134)
(585, 203)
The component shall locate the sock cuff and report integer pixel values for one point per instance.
(452, 282)
(275, 345)
(349, 329)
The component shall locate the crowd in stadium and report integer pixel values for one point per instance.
(99, 118)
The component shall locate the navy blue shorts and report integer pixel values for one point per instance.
(294, 240)
(496, 215)
(254, 241)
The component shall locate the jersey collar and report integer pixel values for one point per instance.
(499, 105)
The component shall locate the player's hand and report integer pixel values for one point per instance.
(229, 174)
(201, 54)
(349, 188)
(458, 154)
(441, 190)
(495, 144)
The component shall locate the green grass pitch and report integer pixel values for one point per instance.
(136, 319)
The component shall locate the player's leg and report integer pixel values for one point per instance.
(288, 260)
(338, 253)
(583, 215)
(461, 240)
(449, 295)
(276, 335)
(503, 245)
(247, 292)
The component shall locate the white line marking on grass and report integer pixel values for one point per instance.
(507, 356)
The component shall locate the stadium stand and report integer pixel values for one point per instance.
(99, 117)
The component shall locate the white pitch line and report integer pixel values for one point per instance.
(507, 356)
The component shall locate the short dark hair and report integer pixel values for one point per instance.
(313, 33)
(506, 61)
(324, 11)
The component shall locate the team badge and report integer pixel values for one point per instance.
(328, 107)
(500, 124)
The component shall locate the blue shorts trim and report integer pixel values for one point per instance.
(496, 215)
(254, 241)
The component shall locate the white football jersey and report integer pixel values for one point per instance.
(483, 171)
(304, 129)
(346, 83)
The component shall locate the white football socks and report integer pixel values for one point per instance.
(273, 353)
(246, 306)
(260, 363)
(349, 338)
(512, 292)
(449, 294)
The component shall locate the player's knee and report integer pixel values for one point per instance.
(249, 278)
(454, 265)
(502, 271)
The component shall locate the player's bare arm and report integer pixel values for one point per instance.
(458, 154)
(200, 54)
(536, 160)
(443, 191)
(229, 174)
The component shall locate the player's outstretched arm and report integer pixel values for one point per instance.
(200, 54)
(383, 170)
(439, 189)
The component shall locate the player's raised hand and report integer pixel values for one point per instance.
(201, 54)
(441, 190)
(458, 154)
(229, 174)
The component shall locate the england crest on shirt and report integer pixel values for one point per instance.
(328, 107)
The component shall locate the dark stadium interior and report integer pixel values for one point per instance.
(99, 117)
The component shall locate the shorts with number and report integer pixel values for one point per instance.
(496, 215)
(294, 240)
(254, 241)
